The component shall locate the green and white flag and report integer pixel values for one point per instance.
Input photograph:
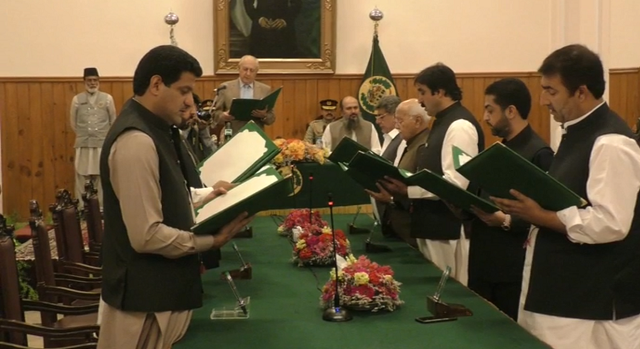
(376, 83)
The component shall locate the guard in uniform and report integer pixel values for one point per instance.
(327, 115)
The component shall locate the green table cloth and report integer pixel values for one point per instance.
(327, 178)
(285, 311)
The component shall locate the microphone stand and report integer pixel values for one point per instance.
(311, 198)
(335, 313)
(292, 167)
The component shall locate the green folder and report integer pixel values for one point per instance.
(255, 194)
(346, 149)
(377, 167)
(364, 180)
(450, 192)
(241, 108)
(499, 169)
(239, 158)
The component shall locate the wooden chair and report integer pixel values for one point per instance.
(92, 216)
(68, 271)
(66, 219)
(74, 328)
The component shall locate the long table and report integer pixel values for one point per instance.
(285, 307)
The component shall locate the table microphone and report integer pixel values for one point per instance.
(335, 313)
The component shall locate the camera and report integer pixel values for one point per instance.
(205, 110)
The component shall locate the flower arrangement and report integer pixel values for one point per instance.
(364, 285)
(295, 150)
(300, 218)
(315, 246)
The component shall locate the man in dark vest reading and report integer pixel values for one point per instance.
(496, 253)
(581, 280)
(151, 271)
(439, 232)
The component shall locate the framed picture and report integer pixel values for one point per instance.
(287, 36)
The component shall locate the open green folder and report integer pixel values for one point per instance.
(426, 180)
(241, 108)
(239, 158)
(450, 192)
(377, 167)
(253, 195)
(499, 169)
(346, 149)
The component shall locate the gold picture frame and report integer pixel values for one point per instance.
(323, 60)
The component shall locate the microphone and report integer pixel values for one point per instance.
(222, 87)
(335, 313)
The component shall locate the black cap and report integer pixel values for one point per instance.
(90, 72)
(329, 104)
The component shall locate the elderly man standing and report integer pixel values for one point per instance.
(413, 128)
(92, 114)
(351, 125)
(245, 86)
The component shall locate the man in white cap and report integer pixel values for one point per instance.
(92, 114)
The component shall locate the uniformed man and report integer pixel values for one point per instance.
(92, 114)
(327, 115)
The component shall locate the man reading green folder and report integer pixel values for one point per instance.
(496, 256)
(439, 232)
(582, 267)
(246, 87)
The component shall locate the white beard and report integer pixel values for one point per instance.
(92, 90)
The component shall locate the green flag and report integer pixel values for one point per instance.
(376, 83)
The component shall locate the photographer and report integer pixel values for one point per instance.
(196, 133)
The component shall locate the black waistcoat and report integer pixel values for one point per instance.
(432, 219)
(144, 282)
(392, 149)
(496, 255)
(579, 280)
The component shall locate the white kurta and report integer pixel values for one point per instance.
(612, 188)
(452, 253)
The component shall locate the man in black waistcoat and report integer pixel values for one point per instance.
(496, 250)
(581, 282)
(438, 230)
(151, 275)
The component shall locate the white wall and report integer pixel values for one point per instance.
(46, 38)
(60, 38)
(625, 34)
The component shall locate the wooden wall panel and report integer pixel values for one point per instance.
(37, 141)
(624, 94)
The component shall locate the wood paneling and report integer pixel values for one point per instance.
(37, 141)
(624, 95)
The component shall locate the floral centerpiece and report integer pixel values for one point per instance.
(364, 285)
(295, 150)
(315, 246)
(300, 218)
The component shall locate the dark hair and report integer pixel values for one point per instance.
(511, 91)
(389, 103)
(576, 65)
(440, 77)
(167, 61)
